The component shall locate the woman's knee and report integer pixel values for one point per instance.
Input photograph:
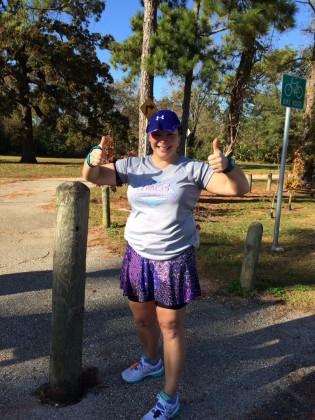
(171, 326)
(144, 314)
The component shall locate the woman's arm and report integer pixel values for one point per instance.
(232, 183)
(99, 174)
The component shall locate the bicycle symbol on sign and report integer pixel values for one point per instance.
(293, 89)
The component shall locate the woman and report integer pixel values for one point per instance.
(159, 272)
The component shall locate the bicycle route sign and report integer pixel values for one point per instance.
(293, 91)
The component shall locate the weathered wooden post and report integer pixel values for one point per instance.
(269, 181)
(251, 255)
(249, 180)
(290, 201)
(69, 271)
(106, 206)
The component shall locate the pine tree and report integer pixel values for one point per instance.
(249, 25)
(134, 53)
(146, 79)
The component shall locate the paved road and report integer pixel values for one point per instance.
(246, 360)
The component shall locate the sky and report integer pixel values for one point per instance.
(116, 22)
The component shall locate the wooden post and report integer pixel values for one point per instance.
(69, 271)
(251, 255)
(269, 180)
(249, 180)
(289, 201)
(106, 206)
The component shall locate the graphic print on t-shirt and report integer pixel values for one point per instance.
(154, 193)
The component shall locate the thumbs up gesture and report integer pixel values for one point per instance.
(217, 160)
(97, 153)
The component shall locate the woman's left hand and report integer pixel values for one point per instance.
(217, 160)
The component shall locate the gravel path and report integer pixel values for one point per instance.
(245, 360)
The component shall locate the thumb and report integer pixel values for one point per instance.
(215, 145)
(103, 142)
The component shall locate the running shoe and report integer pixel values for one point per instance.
(142, 369)
(163, 410)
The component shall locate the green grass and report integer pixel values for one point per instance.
(287, 276)
(11, 169)
(260, 168)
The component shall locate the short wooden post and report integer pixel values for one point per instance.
(106, 206)
(290, 201)
(269, 181)
(249, 180)
(69, 271)
(251, 255)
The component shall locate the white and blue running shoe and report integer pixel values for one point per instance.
(143, 369)
(163, 410)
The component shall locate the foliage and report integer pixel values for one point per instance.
(44, 48)
(110, 150)
(234, 287)
(294, 177)
(128, 53)
(279, 292)
(175, 42)
(184, 48)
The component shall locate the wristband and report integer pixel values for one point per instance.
(231, 166)
(89, 156)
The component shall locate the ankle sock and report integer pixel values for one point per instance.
(147, 360)
(167, 398)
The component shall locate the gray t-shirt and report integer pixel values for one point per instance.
(161, 225)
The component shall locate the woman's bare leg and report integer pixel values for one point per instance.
(171, 322)
(147, 327)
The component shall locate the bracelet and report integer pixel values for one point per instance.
(89, 156)
(231, 166)
(88, 161)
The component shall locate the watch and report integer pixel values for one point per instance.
(231, 166)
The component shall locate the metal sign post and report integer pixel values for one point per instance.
(292, 96)
(275, 246)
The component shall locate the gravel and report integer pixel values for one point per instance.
(245, 359)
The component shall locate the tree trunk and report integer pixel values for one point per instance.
(307, 146)
(186, 107)
(189, 77)
(236, 102)
(28, 152)
(146, 80)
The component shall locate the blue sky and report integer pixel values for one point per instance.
(116, 22)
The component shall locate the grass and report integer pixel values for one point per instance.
(12, 170)
(287, 276)
(260, 168)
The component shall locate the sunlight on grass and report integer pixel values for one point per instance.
(11, 169)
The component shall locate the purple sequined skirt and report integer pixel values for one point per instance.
(170, 282)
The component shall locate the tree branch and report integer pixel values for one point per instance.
(45, 9)
(307, 2)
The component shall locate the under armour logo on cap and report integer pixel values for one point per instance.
(164, 120)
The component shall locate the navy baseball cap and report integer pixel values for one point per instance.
(164, 120)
